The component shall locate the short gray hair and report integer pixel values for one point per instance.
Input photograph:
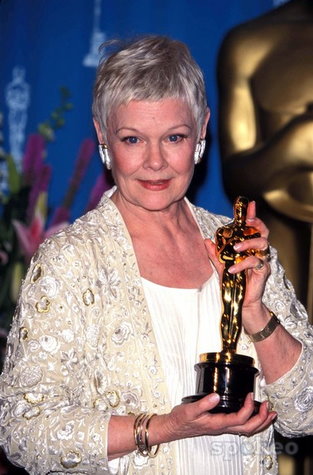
(149, 68)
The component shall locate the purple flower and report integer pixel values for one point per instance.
(85, 154)
(86, 151)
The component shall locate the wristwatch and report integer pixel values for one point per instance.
(267, 330)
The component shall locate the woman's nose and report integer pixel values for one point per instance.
(155, 158)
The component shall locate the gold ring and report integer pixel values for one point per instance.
(260, 265)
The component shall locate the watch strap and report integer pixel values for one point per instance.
(267, 330)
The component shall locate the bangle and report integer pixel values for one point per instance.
(267, 330)
(141, 435)
(138, 433)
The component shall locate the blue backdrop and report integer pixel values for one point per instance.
(47, 44)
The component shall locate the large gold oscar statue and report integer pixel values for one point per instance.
(265, 76)
(233, 285)
(228, 373)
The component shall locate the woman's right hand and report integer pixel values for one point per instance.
(189, 420)
(194, 419)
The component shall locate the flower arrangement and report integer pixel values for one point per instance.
(25, 218)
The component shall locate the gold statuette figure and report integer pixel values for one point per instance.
(233, 285)
(227, 373)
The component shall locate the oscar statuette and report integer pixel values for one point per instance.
(228, 373)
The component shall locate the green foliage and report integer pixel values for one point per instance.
(56, 120)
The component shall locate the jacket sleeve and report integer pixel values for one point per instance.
(292, 394)
(49, 415)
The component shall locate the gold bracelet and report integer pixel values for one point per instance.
(141, 435)
(267, 330)
(138, 433)
(149, 447)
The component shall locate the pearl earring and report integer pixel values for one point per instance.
(200, 147)
(105, 155)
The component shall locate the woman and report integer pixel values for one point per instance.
(116, 308)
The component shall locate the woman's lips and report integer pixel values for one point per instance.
(155, 185)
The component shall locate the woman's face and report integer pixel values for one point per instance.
(152, 146)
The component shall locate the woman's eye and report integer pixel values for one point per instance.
(130, 139)
(175, 138)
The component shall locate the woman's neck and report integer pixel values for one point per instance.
(177, 217)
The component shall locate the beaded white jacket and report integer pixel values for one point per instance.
(82, 348)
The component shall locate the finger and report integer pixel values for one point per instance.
(255, 244)
(258, 224)
(269, 420)
(231, 422)
(253, 421)
(257, 423)
(207, 403)
(251, 263)
(201, 408)
(251, 210)
(248, 408)
(253, 220)
(263, 417)
(248, 431)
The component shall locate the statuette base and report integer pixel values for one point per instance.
(228, 374)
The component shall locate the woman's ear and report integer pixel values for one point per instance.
(205, 124)
(99, 132)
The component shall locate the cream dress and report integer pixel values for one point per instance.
(186, 323)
